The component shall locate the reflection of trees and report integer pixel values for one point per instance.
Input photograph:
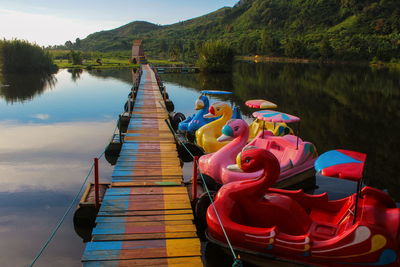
(122, 75)
(201, 81)
(75, 74)
(340, 106)
(21, 87)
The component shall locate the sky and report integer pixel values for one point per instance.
(52, 22)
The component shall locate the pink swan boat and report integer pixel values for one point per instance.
(294, 155)
(211, 165)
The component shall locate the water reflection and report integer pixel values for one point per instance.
(14, 88)
(75, 74)
(47, 147)
(121, 75)
(50, 157)
(48, 142)
(340, 106)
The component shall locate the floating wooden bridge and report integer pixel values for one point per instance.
(145, 218)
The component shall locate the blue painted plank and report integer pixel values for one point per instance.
(122, 206)
(112, 245)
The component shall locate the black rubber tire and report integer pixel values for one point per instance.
(200, 210)
(169, 105)
(176, 118)
(123, 123)
(126, 105)
(193, 148)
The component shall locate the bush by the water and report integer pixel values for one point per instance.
(215, 56)
(22, 56)
(75, 57)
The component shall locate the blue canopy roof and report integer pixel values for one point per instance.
(215, 92)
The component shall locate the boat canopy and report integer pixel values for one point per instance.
(343, 164)
(260, 103)
(215, 92)
(275, 116)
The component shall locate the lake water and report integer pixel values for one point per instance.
(51, 128)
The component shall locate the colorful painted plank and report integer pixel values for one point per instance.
(184, 262)
(143, 249)
(146, 217)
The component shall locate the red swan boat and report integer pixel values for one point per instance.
(361, 230)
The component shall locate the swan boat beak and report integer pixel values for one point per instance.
(227, 134)
(199, 104)
(236, 167)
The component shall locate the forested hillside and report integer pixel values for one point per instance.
(327, 29)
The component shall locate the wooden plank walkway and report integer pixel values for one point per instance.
(145, 218)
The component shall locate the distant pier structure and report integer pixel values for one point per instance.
(138, 53)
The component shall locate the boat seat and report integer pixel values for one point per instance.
(323, 231)
(326, 222)
(288, 215)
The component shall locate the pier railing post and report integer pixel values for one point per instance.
(96, 182)
(194, 178)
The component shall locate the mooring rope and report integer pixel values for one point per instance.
(61, 221)
(237, 261)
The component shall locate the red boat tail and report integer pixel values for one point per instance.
(296, 226)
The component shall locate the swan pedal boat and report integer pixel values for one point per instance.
(360, 230)
(206, 136)
(296, 157)
(192, 123)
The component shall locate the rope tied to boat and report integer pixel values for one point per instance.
(237, 259)
(238, 262)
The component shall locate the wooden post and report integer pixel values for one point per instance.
(194, 178)
(165, 94)
(96, 182)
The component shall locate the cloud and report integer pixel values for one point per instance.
(50, 157)
(41, 116)
(47, 29)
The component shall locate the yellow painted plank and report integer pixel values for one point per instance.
(183, 247)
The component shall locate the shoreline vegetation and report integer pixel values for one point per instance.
(264, 58)
(215, 56)
(75, 59)
(20, 56)
(119, 63)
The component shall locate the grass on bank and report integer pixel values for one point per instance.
(375, 63)
(96, 60)
(110, 63)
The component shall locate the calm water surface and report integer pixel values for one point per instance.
(50, 130)
(52, 127)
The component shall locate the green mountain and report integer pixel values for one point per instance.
(328, 29)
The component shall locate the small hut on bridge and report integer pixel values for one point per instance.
(138, 53)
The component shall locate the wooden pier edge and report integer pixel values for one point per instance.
(146, 217)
